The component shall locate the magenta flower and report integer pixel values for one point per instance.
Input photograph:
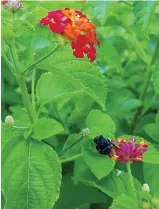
(129, 151)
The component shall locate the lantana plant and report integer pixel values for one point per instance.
(80, 105)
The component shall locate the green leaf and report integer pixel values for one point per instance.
(45, 128)
(156, 80)
(8, 133)
(114, 184)
(55, 85)
(77, 190)
(70, 75)
(99, 11)
(100, 165)
(72, 146)
(143, 13)
(124, 202)
(100, 123)
(151, 178)
(31, 174)
(152, 129)
(109, 53)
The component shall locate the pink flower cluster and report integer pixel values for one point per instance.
(129, 151)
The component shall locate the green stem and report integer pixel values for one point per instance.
(41, 59)
(8, 62)
(70, 158)
(145, 87)
(133, 193)
(33, 89)
(21, 81)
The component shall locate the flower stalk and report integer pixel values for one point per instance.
(21, 81)
(131, 183)
(41, 59)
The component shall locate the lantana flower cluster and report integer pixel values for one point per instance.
(122, 150)
(129, 150)
(77, 28)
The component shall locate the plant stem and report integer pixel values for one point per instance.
(145, 87)
(41, 59)
(70, 158)
(22, 85)
(131, 180)
(33, 89)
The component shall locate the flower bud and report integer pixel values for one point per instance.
(145, 188)
(13, 6)
(118, 172)
(145, 205)
(9, 120)
(85, 131)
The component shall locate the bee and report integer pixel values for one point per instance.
(104, 145)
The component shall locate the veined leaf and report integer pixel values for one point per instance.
(31, 174)
(71, 74)
(124, 202)
(8, 133)
(100, 123)
(45, 128)
(143, 12)
(114, 184)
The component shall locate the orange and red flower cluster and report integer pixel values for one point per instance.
(76, 27)
(129, 151)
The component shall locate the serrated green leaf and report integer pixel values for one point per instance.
(143, 13)
(151, 178)
(72, 146)
(114, 184)
(152, 129)
(124, 202)
(31, 174)
(45, 128)
(8, 133)
(74, 75)
(100, 123)
(100, 165)
(50, 86)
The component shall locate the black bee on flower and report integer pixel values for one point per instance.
(104, 145)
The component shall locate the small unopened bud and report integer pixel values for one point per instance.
(9, 120)
(13, 6)
(145, 188)
(145, 205)
(85, 131)
(118, 172)
(35, 54)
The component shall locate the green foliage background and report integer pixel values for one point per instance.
(115, 96)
